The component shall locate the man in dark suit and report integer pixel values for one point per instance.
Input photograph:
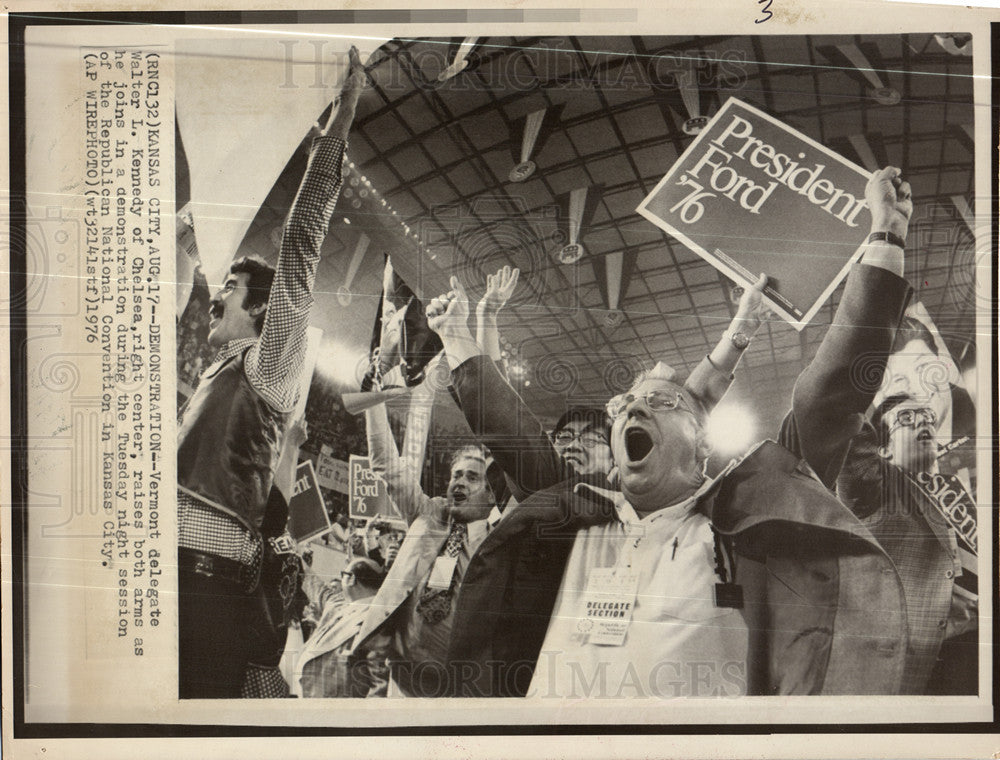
(877, 465)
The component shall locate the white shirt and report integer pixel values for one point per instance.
(679, 643)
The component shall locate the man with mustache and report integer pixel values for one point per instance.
(757, 581)
(231, 430)
(417, 602)
(880, 467)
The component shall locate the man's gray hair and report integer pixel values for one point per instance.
(663, 371)
(660, 371)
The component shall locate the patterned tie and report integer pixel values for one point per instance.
(435, 604)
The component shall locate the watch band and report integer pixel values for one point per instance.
(887, 237)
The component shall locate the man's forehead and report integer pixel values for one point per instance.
(578, 426)
(913, 347)
(469, 462)
(910, 404)
(659, 384)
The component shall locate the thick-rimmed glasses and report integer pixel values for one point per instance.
(657, 401)
(908, 418)
(588, 438)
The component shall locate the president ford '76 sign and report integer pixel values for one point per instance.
(753, 195)
(367, 493)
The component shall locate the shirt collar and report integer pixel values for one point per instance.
(627, 515)
(477, 532)
(494, 517)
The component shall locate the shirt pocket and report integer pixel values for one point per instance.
(682, 587)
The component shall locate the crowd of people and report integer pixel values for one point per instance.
(598, 557)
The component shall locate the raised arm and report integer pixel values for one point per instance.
(401, 479)
(711, 379)
(833, 393)
(275, 362)
(493, 409)
(499, 289)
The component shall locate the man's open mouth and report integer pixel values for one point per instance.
(459, 496)
(638, 444)
(215, 311)
(925, 435)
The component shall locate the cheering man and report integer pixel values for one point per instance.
(641, 590)
(231, 430)
(885, 470)
(416, 604)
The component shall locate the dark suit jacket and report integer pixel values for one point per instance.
(827, 427)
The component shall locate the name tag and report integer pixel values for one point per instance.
(442, 573)
(607, 605)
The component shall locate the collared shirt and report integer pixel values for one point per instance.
(678, 643)
(276, 359)
(420, 641)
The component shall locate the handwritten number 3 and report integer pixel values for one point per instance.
(764, 10)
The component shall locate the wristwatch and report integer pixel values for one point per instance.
(739, 339)
(887, 237)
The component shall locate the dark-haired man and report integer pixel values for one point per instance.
(876, 467)
(580, 437)
(232, 428)
(384, 541)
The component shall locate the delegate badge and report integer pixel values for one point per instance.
(607, 605)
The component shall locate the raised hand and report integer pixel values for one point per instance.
(448, 314)
(350, 91)
(355, 80)
(499, 288)
(890, 201)
(752, 310)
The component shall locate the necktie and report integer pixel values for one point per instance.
(435, 604)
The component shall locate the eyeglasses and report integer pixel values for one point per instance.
(345, 574)
(658, 401)
(588, 438)
(908, 417)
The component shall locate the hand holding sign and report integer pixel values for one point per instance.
(890, 201)
(751, 195)
(752, 309)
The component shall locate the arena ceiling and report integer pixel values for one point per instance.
(436, 148)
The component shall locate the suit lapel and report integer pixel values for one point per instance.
(934, 519)
(420, 548)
